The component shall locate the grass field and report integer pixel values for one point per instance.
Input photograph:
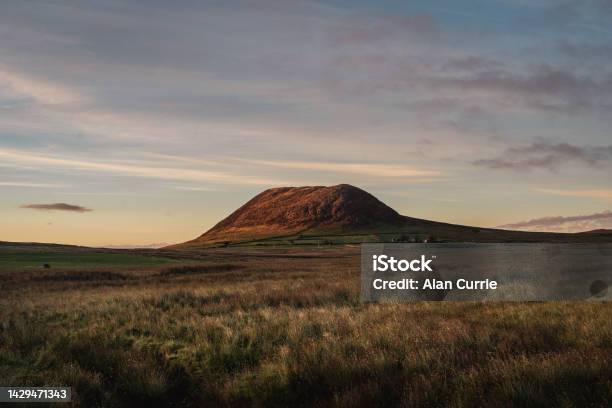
(29, 257)
(14, 260)
(236, 328)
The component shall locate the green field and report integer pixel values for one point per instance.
(286, 328)
(33, 259)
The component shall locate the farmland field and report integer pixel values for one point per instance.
(282, 327)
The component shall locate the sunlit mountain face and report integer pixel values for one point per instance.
(133, 123)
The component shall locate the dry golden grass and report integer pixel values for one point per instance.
(235, 330)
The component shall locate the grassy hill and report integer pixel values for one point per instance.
(424, 231)
(345, 214)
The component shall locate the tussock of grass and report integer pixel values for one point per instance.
(293, 333)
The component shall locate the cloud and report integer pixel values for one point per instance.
(586, 51)
(166, 80)
(577, 223)
(470, 63)
(56, 207)
(40, 90)
(380, 29)
(546, 155)
(29, 185)
(589, 193)
(233, 172)
(546, 88)
(161, 172)
(194, 188)
(374, 170)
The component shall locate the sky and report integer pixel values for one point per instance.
(146, 122)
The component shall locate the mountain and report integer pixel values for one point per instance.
(597, 231)
(345, 214)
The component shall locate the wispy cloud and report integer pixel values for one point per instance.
(161, 172)
(470, 63)
(56, 207)
(375, 30)
(546, 155)
(234, 170)
(577, 223)
(545, 88)
(375, 170)
(195, 188)
(44, 92)
(586, 50)
(29, 185)
(605, 194)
